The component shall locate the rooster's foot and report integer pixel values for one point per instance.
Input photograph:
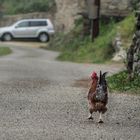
(100, 121)
(90, 118)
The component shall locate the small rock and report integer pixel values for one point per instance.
(117, 123)
(129, 118)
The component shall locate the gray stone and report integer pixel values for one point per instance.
(112, 7)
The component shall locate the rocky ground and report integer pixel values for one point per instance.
(40, 101)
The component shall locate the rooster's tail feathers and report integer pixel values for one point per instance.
(102, 77)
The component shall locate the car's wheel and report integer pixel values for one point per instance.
(43, 37)
(7, 37)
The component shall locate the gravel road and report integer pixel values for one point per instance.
(39, 102)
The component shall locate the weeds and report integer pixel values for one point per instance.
(76, 48)
(4, 51)
(120, 82)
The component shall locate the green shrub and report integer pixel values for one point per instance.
(127, 27)
(120, 82)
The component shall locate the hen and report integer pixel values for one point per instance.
(98, 95)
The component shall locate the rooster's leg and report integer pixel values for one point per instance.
(90, 115)
(100, 118)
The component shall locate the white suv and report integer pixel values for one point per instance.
(29, 28)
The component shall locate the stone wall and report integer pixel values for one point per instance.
(116, 7)
(66, 13)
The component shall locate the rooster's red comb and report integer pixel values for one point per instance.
(94, 75)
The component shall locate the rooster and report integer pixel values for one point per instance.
(98, 95)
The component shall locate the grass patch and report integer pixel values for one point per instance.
(76, 48)
(5, 51)
(119, 82)
(126, 29)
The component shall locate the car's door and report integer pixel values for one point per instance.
(35, 26)
(21, 30)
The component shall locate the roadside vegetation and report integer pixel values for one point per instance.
(120, 82)
(26, 6)
(76, 48)
(126, 29)
(5, 51)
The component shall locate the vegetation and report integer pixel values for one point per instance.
(135, 4)
(76, 48)
(120, 82)
(4, 51)
(126, 29)
(26, 6)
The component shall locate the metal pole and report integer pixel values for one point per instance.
(95, 23)
(92, 30)
(94, 12)
(99, 8)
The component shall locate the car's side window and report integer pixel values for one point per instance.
(38, 23)
(23, 24)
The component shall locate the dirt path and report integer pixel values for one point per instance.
(26, 43)
(39, 102)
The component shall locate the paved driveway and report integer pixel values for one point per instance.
(39, 102)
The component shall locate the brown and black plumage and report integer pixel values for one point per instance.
(98, 95)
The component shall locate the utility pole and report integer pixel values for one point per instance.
(94, 15)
